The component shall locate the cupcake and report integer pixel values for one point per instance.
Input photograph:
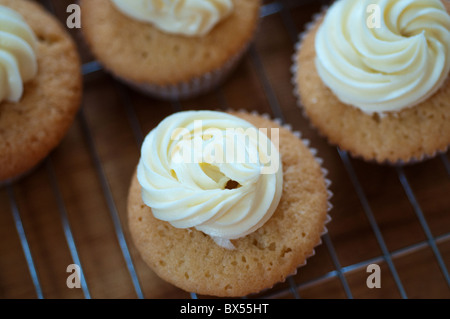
(170, 49)
(373, 77)
(40, 86)
(226, 204)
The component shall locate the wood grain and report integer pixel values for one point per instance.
(87, 178)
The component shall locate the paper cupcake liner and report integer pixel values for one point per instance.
(11, 181)
(413, 160)
(328, 183)
(192, 88)
(294, 68)
(20, 176)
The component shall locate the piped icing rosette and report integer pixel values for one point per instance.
(211, 171)
(186, 17)
(18, 61)
(384, 55)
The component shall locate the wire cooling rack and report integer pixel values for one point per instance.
(394, 217)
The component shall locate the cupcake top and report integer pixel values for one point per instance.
(141, 53)
(211, 171)
(185, 17)
(384, 55)
(18, 61)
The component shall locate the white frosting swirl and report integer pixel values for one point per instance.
(207, 170)
(185, 17)
(384, 55)
(18, 61)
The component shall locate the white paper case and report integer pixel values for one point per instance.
(190, 89)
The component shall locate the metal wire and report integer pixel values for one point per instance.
(430, 239)
(86, 69)
(66, 226)
(293, 288)
(446, 163)
(24, 242)
(270, 94)
(131, 115)
(111, 204)
(288, 22)
(373, 223)
(337, 265)
(278, 113)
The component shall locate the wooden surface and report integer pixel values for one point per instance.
(80, 192)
